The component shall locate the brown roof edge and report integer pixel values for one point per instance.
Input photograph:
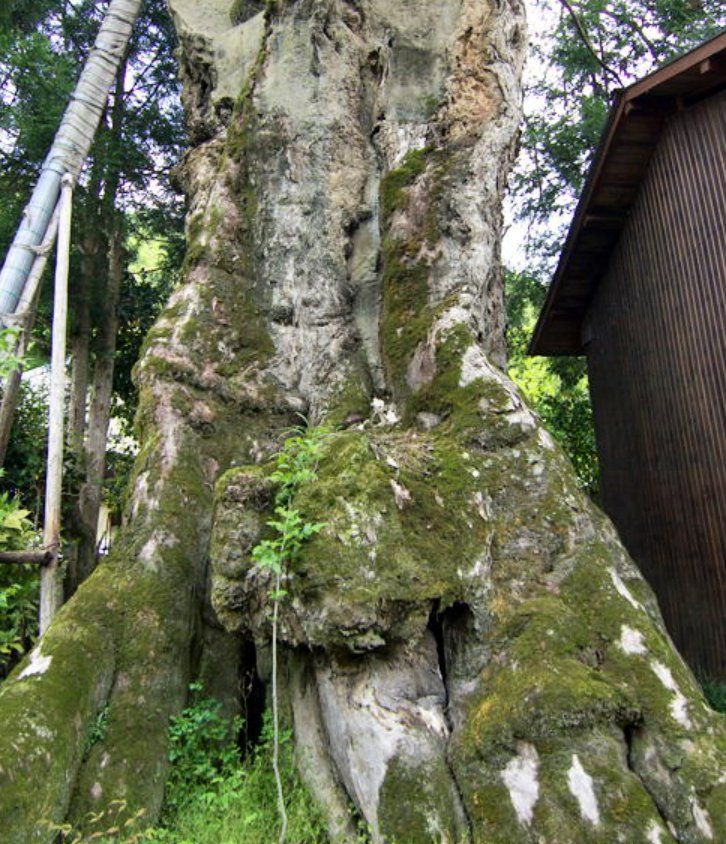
(590, 184)
(618, 112)
(677, 66)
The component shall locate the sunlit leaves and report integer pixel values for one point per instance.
(584, 51)
(556, 388)
(295, 465)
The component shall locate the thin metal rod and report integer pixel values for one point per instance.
(51, 588)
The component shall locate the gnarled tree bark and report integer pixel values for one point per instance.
(468, 652)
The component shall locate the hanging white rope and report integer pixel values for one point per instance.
(51, 588)
(70, 148)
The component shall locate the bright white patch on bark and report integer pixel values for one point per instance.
(581, 787)
(679, 704)
(475, 364)
(520, 416)
(483, 504)
(384, 414)
(520, 777)
(42, 732)
(623, 590)
(38, 665)
(150, 554)
(434, 721)
(401, 495)
(147, 555)
(405, 139)
(545, 440)
(455, 315)
(700, 816)
(631, 640)
(654, 833)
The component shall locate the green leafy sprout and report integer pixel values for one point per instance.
(295, 466)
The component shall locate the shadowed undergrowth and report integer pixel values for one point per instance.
(214, 796)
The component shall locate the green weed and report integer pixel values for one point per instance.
(215, 797)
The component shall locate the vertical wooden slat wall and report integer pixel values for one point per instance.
(657, 363)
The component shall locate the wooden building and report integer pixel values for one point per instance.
(641, 291)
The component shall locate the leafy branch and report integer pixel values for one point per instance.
(295, 466)
(9, 358)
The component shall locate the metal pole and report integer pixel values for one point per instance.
(51, 588)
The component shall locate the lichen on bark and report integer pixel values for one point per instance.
(468, 654)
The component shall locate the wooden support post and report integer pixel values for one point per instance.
(43, 558)
(51, 588)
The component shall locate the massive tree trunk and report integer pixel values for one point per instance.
(467, 651)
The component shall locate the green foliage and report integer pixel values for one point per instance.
(16, 530)
(19, 590)
(8, 358)
(24, 466)
(19, 585)
(586, 51)
(295, 466)
(120, 461)
(715, 691)
(555, 387)
(202, 750)
(98, 729)
(213, 796)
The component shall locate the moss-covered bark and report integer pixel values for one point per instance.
(125, 643)
(468, 653)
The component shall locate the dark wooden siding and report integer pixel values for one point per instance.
(656, 334)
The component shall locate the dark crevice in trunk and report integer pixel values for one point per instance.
(628, 734)
(437, 628)
(251, 698)
(437, 623)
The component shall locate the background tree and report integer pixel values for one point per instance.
(124, 197)
(124, 207)
(581, 53)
